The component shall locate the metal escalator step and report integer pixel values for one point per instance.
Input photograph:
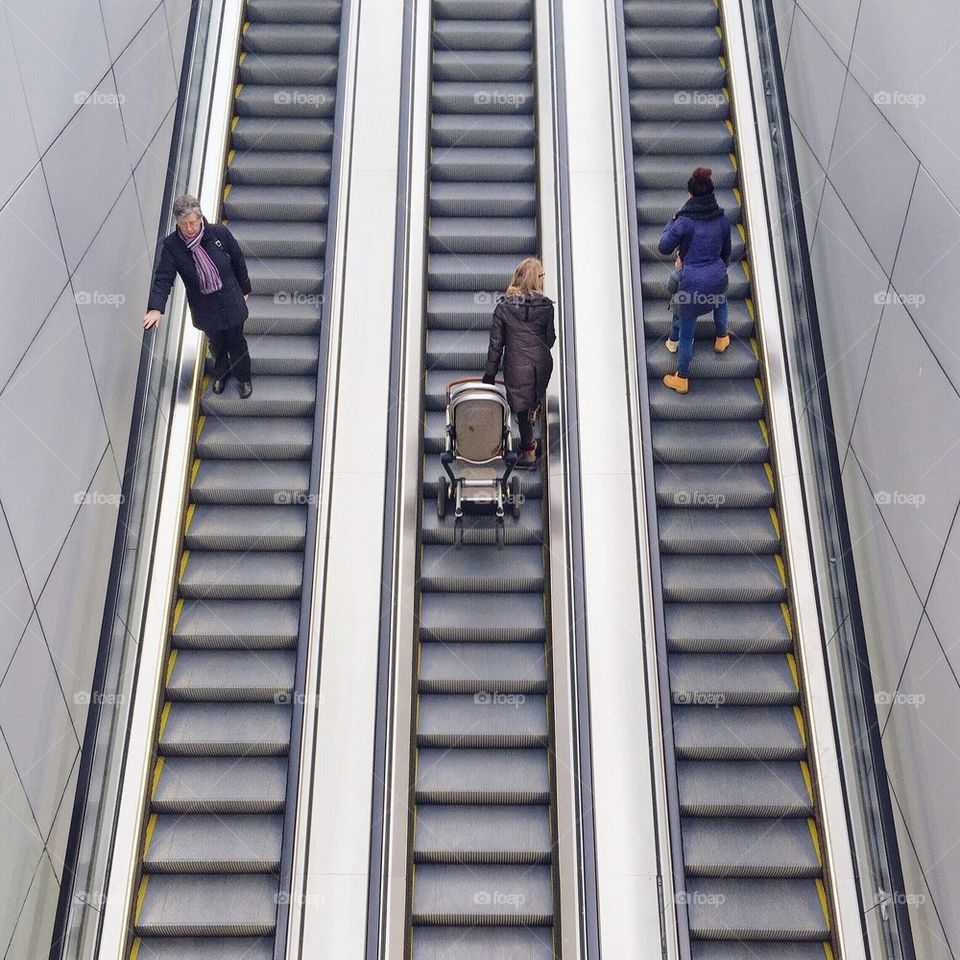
(445, 833)
(730, 484)
(255, 438)
(721, 579)
(460, 164)
(756, 910)
(294, 240)
(250, 481)
(699, 41)
(531, 482)
(291, 356)
(226, 730)
(287, 100)
(215, 527)
(482, 234)
(477, 569)
(494, 198)
(281, 168)
(291, 38)
(682, 106)
(696, 137)
(311, 70)
(738, 360)
(475, 35)
(736, 733)
(237, 625)
(213, 906)
(689, 530)
(692, 441)
(482, 895)
(285, 277)
(487, 776)
(732, 679)
(482, 528)
(743, 789)
(676, 73)
(205, 948)
(273, 396)
(472, 721)
(506, 618)
(201, 843)
(459, 943)
(657, 320)
(500, 131)
(294, 11)
(220, 785)
(707, 400)
(305, 134)
(656, 207)
(457, 349)
(727, 628)
(671, 173)
(504, 66)
(481, 97)
(670, 13)
(232, 576)
(294, 315)
(756, 950)
(453, 310)
(437, 381)
(474, 271)
(216, 675)
(734, 847)
(482, 9)
(257, 202)
(487, 670)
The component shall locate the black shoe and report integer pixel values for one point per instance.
(246, 388)
(218, 385)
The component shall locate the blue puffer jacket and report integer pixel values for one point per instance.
(701, 230)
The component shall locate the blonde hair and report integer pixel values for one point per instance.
(527, 278)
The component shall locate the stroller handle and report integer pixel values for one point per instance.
(456, 383)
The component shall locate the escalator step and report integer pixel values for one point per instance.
(226, 730)
(239, 843)
(483, 669)
(721, 579)
(482, 9)
(293, 11)
(738, 360)
(291, 38)
(495, 198)
(213, 906)
(214, 527)
(756, 950)
(282, 101)
(693, 442)
(482, 529)
(689, 530)
(273, 396)
(284, 277)
(311, 70)
(741, 847)
(475, 35)
(255, 438)
(683, 107)
(681, 41)
(670, 13)
(713, 485)
(460, 943)
(237, 624)
(457, 349)
(481, 97)
(482, 234)
(732, 679)
(306, 134)
(258, 202)
(656, 207)
(505, 618)
(684, 73)
(475, 569)
(531, 480)
(250, 481)
(452, 310)
(205, 948)
(296, 314)
(482, 895)
(286, 240)
(482, 834)
(694, 139)
(220, 785)
(707, 400)
(225, 575)
(726, 628)
(479, 722)
(482, 776)
(462, 130)
(204, 675)
(505, 66)
(775, 789)
(737, 733)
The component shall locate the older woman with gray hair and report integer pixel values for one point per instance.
(208, 259)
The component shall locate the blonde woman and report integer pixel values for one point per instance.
(521, 335)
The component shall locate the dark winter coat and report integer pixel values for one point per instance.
(522, 334)
(701, 230)
(211, 311)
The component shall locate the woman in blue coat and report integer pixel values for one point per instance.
(209, 261)
(700, 232)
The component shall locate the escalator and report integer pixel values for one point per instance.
(481, 870)
(208, 883)
(755, 882)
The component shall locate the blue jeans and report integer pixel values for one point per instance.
(684, 327)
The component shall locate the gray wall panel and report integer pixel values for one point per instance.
(19, 154)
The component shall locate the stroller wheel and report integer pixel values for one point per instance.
(443, 496)
(516, 498)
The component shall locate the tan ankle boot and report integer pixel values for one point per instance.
(721, 343)
(675, 382)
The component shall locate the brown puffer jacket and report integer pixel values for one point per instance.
(522, 334)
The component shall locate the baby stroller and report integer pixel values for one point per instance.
(479, 458)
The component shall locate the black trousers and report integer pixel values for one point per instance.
(230, 356)
(525, 424)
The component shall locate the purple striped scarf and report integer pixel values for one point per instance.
(207, 271)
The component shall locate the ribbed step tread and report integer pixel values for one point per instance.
(508, 66)
(315, 70)
(470, 721)
(226, 730)
(472, 569)
(488, 776)
(695, 531)
(220, 785)
(737, 733)
(294, 11)
(743, 847)
(273, 396)
(738, 360)
(196, 843)
(237, 624)
(722, 579)
(303, 134)
(707, 400)
(727, 628)
(732, 679)
(291, 38)
(461, 130)
(229, 575)
(494, 198)
(475, 35)
(205, 948)
(712, 485)
(250, 481)
(717, 788)
(482, 234)
(473, 618)
(488, 671)
(258, 202)
(691, 441)
(255, 438)
(446, 833)
(214, 527)
(482, 528)
(460, 943)
(278, 239)
(216, 675)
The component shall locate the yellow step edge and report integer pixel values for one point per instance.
(759, 386)
(164, 716)
(792, 664)
(242, 57)
(815, 837)
(750, 309)
(148, 834)
(157, 770)
(781, 569)
(755, 347)
(135, 949)
(733, 163)
(774, 519)
(237, 89)
(769, 472)
(719, 31)
(740, 229)
(745, 263)
(233, 124)
(141, 893)
(723, 62)
(171, 662)
(827, 950)
(823, 902)
(726, 93)
(194, 470)
(801, 726)
(226, 190)
(183, 562)
(763, 432)
(787, 619)
(736, 195)
(807, 779)
(177, 610)
(246, 26)
(230, 156)
(189, 518)
(201, 423)
(729, 125)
